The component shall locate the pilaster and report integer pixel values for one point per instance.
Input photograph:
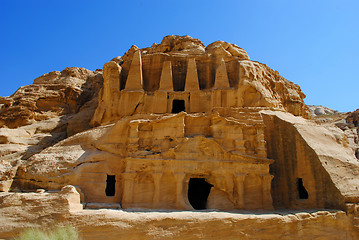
(239, 179)
(266, 191)
(127, 197)
(180, 204)
(156, 195)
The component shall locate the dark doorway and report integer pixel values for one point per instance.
(178, 106)
(110, 185)
(198, 192)
(303, 194)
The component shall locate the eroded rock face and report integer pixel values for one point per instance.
(346, 121)
(353, 118)
(158, 156)
(224, 49)
(51, 95)
(220, 75)
(320, 111)
(17, 145)
(55, 106)
(47, 210)
(178, 126)
(311, 162)
(24, 210)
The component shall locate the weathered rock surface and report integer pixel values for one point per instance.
(351, 127)
(347, 122)
(24, 210)
(55, 106)
(46, 210)
(105, 150)
(320, 110)
(320, 156)
(220, 75)
(17, 145)
(211, 225)
(177, 126)
(51, 95)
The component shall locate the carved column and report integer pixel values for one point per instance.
(127, 197)
(266, 191)
(135, 78)
(239, 178)
(261, 143)
(221, 79)
(192, 83)
(156, 195)
(180, 204)
(239, 140)
(166, 82)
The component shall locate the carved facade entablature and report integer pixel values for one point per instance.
(175, 83)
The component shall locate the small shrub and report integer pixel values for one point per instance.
(59, 233)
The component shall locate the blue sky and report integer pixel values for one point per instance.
(313, 43)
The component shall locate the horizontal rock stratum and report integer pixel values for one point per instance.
(178, 134)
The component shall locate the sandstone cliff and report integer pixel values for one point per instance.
(159, 120)
(57, 105)
(52, 95)
(221, 68)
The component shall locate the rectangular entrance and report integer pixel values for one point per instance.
(198, 192)
(110, 185)
(178, 106)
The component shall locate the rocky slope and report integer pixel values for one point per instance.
(320, 111)
(348, 122)
(54, 94)
(56, 106)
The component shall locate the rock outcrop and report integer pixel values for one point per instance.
(57, 105)
(347, 122)
(317, 157)
(220, 75)
(45, 210)
(52, 95)
(177, 126)
(320, 111)
(39, 209)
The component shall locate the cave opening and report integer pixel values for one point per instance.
(198, 192)
(110, 185)
(178, 106)
(303, 194)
